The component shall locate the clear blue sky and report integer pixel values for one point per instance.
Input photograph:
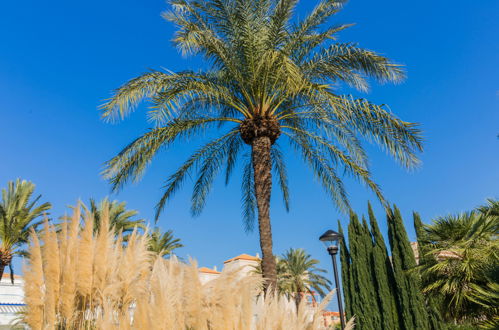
(59, 59)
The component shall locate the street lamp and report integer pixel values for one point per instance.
(330, 239)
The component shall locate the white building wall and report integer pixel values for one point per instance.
(11, 297)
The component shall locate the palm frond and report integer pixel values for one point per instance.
(175, 180)
(248, 196)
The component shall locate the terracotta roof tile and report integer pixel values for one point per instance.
(243, 257)
(208, 270)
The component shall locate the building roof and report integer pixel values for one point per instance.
(208, 270)
(243, 257)
(329, 313)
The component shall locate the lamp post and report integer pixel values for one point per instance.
(330, 239)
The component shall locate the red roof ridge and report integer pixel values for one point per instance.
(208, 270)
(243, 256)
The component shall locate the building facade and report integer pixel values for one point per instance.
(11, 301)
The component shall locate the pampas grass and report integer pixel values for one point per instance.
(78, 279)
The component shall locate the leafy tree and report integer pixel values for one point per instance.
(346, 275)
(383, 276)
(19, 215)
(163, 244)
(461, 265)
(269, 77)
(411, 304)
(365, 305)
(298, 275)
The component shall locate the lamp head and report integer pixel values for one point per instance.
(330, 239)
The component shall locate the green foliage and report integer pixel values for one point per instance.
(262, 63)
(346, 275)
(382, 292)
(433, 303)
(383, 276)
(364, 294)
(298, 273)
(460, 267)
(20, 213)
(163, 244)
(121, 219)
(410, 299)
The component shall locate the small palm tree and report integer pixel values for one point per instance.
(461, 264)
(120, 218)
(270, 78)
(299, 275)
(163, 244)
(19, 214)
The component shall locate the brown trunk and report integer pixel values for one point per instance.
(298, 298)
(5, 260)
(2, 268)
(262, 166)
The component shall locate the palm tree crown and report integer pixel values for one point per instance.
(299, 274)
(121, 219)
(18, 216)
(163, 244)
(270, 78)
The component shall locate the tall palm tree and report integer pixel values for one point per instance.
(120, 218)
(19, 214)
(461, 264)
(299, 275)
(269, 79)
(163, 244)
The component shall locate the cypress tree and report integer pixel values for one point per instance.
(383, 277)
(345, 275)
(376, 317)
(410, 299)
(365, 306)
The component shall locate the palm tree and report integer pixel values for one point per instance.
(18, 217)
(269, 78)
(163, 244)
(460, 264)
(299, 275)
(120, 218)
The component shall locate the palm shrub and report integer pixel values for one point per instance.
(460, 265)
(19, 213)
(77, 278)
(269, 78)
(123, 220)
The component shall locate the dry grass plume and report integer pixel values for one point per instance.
(79, 279)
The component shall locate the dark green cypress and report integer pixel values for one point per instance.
(433, 315)
(365, 307)
(410, 299)
(345, 275)
(376, 317)
(383, 277)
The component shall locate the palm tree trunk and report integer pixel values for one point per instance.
(11, 273)
(298, 298)
(262, 166)
(2, 268)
